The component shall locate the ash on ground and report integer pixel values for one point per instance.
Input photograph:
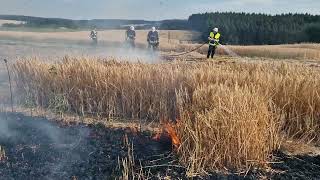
(39, 149)
(36, 148)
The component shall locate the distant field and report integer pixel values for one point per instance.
(172, 42)
(166, 36)
(293, 51)
(9, 22)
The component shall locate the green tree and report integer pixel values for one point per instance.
(312, 32)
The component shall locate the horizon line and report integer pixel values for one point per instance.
(247, 13)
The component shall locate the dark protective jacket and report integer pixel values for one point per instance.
(153, 36)
(94, 34)
(130, 34)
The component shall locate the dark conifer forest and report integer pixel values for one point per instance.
(258, 29)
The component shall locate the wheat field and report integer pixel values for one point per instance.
(228, 116)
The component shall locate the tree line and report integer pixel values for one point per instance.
(258, 29)
(40, 22)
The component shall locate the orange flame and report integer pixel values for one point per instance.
(168, 131)
(173, 135)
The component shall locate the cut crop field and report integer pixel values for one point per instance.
(116, 36)
(15, 43)
(9, 22)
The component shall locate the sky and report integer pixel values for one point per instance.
(150, 9)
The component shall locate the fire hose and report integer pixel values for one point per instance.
(175, 55)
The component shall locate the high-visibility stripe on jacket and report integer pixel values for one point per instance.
(214, 37)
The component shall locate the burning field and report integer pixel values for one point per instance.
(35, 148)
(215, 120)
(229, 118)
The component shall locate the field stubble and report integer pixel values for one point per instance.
(171, 41)
(293, 51)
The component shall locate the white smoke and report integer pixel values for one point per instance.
(56, 50)
(5, 130)
(229, 51)
(16, 130)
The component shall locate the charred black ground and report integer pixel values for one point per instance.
(40, 149)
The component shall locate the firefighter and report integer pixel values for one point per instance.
(153, 39)
(213, 38)
(94, 36)
(131, 37)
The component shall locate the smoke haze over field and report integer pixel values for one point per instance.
(55, 51)
(10, 131)
(152, 10)
(32, 140)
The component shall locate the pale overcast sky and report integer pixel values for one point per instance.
(150, 9)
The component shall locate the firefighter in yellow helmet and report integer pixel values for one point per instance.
(213, 38)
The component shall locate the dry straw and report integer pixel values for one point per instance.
(229, 116)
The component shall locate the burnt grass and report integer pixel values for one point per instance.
(40, 149)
